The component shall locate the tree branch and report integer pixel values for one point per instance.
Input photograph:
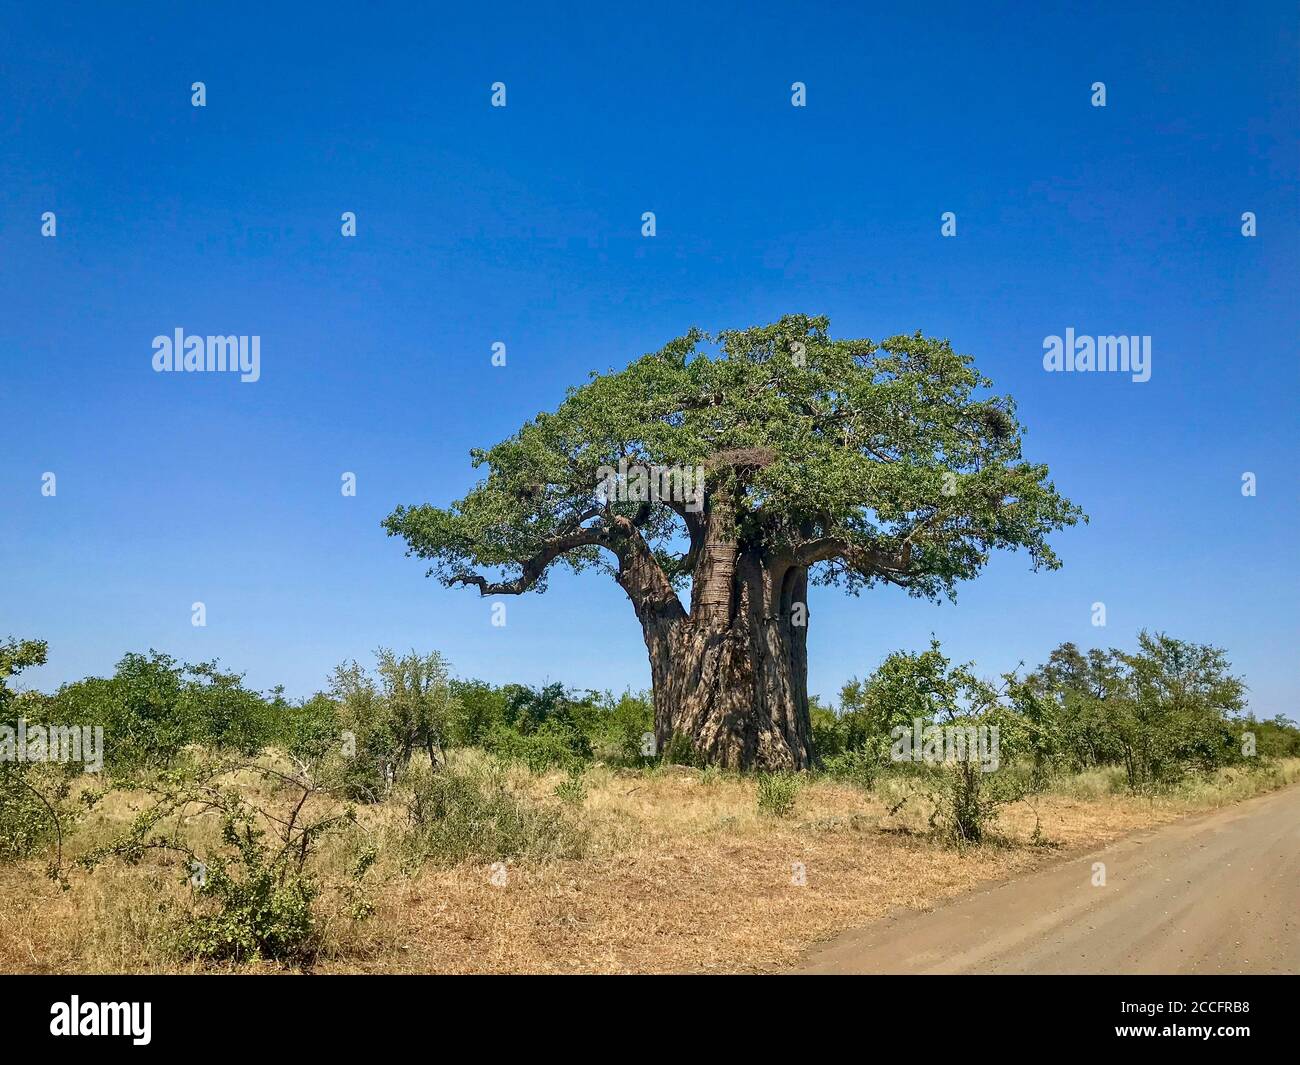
(866, 560)
(639, 572)
(534, 567)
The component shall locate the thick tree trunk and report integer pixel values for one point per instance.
(732, 676)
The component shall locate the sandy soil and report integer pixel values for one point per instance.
(1218, 893)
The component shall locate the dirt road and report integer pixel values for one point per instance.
(1218, 893)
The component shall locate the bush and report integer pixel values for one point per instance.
(477, 708)
(263, 908)
(554, 745)
(221, 713)
(829, 734)
(618, 730)
(256, 889)
(1278, 738)
(1162, 712)
(857, 767)
(586, 724)
(457, 815)
(572, 790)
(407, 706)
(309, 729)
(152, 707)
(963, 810)
(417, 702)
(140, 709)
(528, 709)
(34, 811)
(776, 793)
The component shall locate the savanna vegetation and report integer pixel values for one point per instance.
(406, 819)
(230, 827)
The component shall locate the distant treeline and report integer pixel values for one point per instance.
(1166, 709)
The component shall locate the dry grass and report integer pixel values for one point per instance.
(683, 874)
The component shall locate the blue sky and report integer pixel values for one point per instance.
(522, 224)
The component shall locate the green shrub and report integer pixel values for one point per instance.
(477, 707)
(857, 767)
(34, 811)
(255, 890)
(617, 731)
(221, 713)
(553, 745)
(529, 709)
(457, 815)
(829, 732)
(572, 790)
(1278, 738)
(369, 753)
(1163, 711)
(152, 707)
(966, 800)
(140, 708)
(776, 793)
(309, 729)
(585, 724)
(406, 706)
(263, 908)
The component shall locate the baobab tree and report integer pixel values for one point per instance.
(836, 462)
